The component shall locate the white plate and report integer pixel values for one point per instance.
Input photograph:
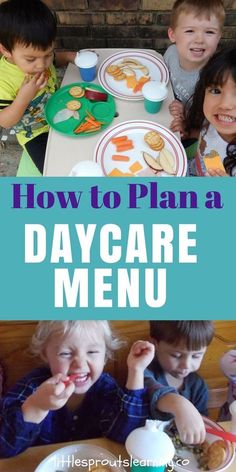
(210, 438)
(62, 460)
(135, 130)
(157, 71)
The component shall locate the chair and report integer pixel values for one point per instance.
(217, 398)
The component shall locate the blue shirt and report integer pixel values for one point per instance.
(194, 389)
(106, 410)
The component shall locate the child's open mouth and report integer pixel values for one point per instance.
(197, 51)
(225, 118)
(78, 379)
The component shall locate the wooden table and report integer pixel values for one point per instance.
(28, 460)
(63, 152)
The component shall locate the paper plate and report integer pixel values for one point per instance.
(134, 163)
(71, 457)
(156, 70)
(102, 111)
(188, 458)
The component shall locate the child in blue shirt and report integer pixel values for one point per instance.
(71, 398)
(174, 386)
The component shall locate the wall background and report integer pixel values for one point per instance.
(121, 23)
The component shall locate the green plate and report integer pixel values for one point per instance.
(102, 111)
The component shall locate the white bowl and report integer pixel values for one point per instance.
(69, 458)
(193, 466)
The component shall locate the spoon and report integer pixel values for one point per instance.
(222, 434)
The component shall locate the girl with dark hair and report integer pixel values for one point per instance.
(212, 117)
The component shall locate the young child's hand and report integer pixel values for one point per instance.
(176, 108)
(190, 424)
(140, 355)
(50, 395)
(31, 85)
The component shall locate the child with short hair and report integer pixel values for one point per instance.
(195, 30)
(27, 75)
(212, 117)
(174, 386)
(71, 398)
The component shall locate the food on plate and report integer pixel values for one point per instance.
(154, 140)
(76, 91)
(138, 87)
(120, 157)
(119, 139)
(209, 456)
(89, 124)
(167, 161)
(123, 144)
(127, 70)
(135, 167)
(65, 114)
(95, 95)
(152, 162)
(135, 64)
(216, 454)
(112, 69)
(73, 105)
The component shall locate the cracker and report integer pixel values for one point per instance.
(73, 105)
(76, 91)
(154, 140)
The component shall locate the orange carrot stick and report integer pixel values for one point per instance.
(125, 146)
(119, 157)
(119, 139)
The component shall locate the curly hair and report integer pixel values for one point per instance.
(45, 329)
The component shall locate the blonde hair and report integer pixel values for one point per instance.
(198, 7)
(44, 330)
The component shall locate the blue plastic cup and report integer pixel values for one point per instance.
(87, 62)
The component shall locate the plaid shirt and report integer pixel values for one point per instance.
(106, 410)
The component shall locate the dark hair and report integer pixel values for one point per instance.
(195, 334)
(27, 22)
(230, 159)
(197, 7)
(213, 74)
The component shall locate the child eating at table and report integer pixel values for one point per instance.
(195, 29)
(71, 398)
(174, 386)
(27, 74)
(212, 117)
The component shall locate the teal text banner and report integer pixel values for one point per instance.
(117, 248)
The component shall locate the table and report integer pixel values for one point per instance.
(28, 460)
(64, 152)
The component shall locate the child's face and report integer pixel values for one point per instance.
(77, 353)
(220, 108)
(31, 60)
(177, 360)
(196, 39)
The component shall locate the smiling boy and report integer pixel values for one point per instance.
(27, 74)
(195, 30)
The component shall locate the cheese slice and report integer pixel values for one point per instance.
(214, 163)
